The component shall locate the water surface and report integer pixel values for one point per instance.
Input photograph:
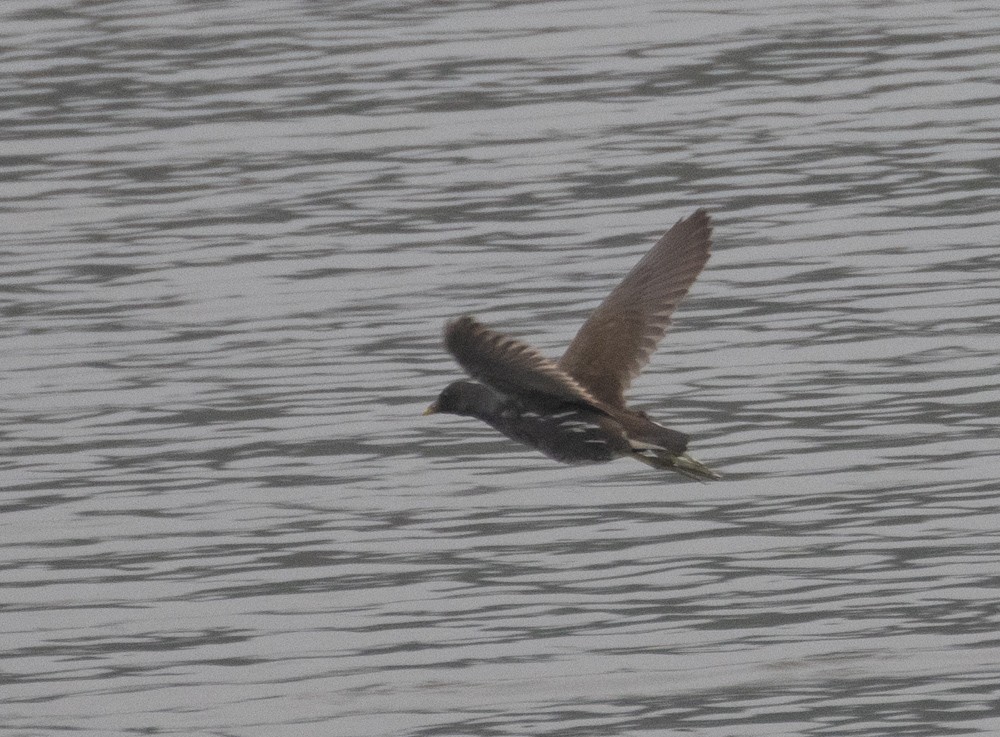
(232, 234)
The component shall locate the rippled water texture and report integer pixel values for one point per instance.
(232, 232)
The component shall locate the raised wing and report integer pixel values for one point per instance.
(616, 341)
(510, 366)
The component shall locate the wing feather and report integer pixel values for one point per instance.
(617, 340)
(509, 365)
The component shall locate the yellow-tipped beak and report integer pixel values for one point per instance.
(431, 410)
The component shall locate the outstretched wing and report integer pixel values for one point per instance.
(616, 341)
(510, 366)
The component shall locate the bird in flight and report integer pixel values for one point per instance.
(573, 410)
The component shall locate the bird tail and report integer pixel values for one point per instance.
(682, 464)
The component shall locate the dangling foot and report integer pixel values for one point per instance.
(682, 464)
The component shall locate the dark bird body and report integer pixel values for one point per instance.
(574, 410)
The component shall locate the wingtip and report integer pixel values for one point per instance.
(701, 220)
(461, 319)
(459, 324)
(701, 217)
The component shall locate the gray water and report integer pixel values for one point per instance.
(231, 235)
